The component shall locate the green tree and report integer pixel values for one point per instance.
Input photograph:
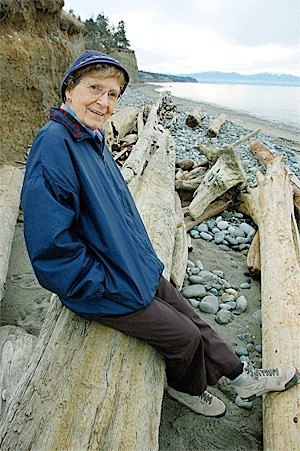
(120, 38)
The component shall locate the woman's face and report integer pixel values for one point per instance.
(93, 99)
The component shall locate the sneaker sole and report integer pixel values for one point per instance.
(288, 385)
(197, 413)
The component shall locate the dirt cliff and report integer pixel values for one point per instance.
(38, 41)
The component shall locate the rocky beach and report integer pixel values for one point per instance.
(216, 270)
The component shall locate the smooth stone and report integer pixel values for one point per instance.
(239, 233)
(209, 304)
(225, 248)
(241, 304)
(211, 223)
(241, 240)
(231, 229)
(246, 227)
(251, 235)
(195, 270)
(199, 265)
(196, 279)
(242, 351)
(242, 246)
(258, 348)
(232, 292)
(194, 291)
(206, 236)
(224, 317)
(194, 303)
(227, 297)
(202, 227)
(190, 264)
(215, 230)
(194, 233)
(243, 404)
(218, 273)
(257, 317)
(225, 306)
(245, 285)
(222, 225)
(219, 237)
(231, 304)
(214, 291)
(209, 277)
(217, 286)
(225, 284)
(231, 240)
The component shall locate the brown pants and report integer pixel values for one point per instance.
(194, 354)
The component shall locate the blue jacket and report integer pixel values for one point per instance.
(85, 238)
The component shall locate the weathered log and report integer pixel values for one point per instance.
(180, 252)
(253, 257)
(119, 124)
(10, 188)
(226, 173)
(215, 126)
(16, 348)
(88, 386)
(211, 210)
(194, 118)
(280, 284)
(265, 156)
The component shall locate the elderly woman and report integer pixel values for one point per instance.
(87, 243)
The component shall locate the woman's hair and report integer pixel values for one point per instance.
(100, 70)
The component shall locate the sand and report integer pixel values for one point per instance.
(25, 305)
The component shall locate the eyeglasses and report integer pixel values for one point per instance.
(99, 91)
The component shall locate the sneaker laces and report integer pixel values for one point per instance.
(206, 397)
(256, 373)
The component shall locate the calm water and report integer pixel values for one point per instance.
(274, 103)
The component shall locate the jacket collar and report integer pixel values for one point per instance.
(77, 130)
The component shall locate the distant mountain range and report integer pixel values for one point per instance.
(222, 77)
(233, 77)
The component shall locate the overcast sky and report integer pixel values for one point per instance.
(189, 36)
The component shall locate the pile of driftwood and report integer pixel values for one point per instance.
(90, 387)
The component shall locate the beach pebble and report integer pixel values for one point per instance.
(218, 273)
(232, 292)
(195, 270)
(241, 304)
(224, 317)
(258, 348)
(225, 248)
(226, 306)
(206, 236)
(244, 404)
(245, 285)
(199, 265)
(203, 227)
(209, 304)
(194, 291)
(194, 303)
(242, 351)
(219, 237)
(227, 297)
(195, 279)
(222, 225)
(257, 316)
(209, 277)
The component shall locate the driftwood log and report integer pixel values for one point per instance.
(88, 386)
(226, 173)
(119, 124)
(280, 284)
(11, 179)
(194, 118)
(214, 128)
(265, 156)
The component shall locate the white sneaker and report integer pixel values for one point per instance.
(254, 382)
(205, 404)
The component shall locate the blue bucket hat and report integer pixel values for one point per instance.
(87, 58)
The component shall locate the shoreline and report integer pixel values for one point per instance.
(280, 131)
